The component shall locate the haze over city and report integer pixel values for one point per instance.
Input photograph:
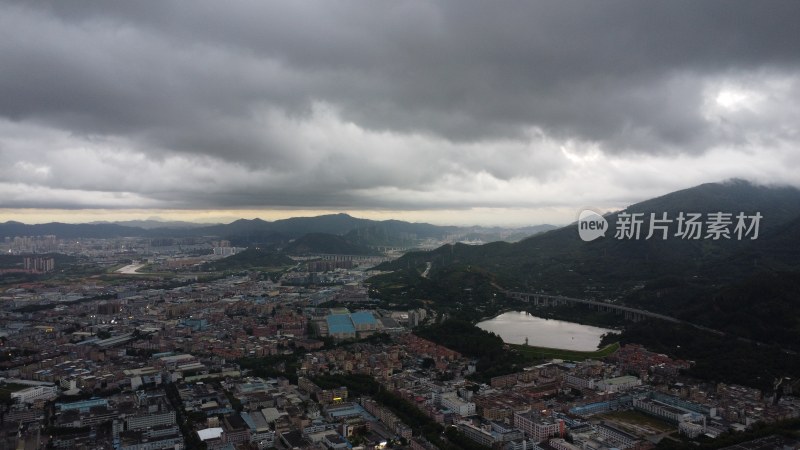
(445, 112)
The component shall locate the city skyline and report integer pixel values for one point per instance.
(461, 113)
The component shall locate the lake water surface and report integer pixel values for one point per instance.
(513, 327)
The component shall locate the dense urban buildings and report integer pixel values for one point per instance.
(246, 361)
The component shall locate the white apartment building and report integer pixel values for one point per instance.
(33, 393)
(452, 402)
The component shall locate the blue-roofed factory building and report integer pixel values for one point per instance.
(364, 321)
(349, 326)
(340, 326)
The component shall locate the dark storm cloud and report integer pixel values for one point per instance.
(463, 70)
(256, 85)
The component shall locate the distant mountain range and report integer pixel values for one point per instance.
(280, 233)
(745, 285)
(150, 224)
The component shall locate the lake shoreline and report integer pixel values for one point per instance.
(521, 327)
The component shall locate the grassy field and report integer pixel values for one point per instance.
(571, 355)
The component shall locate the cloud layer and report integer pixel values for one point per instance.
(388, 105)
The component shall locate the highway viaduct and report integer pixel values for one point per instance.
(633, 314)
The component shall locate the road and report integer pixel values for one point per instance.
(427, 270)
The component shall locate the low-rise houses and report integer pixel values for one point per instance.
(161, 367)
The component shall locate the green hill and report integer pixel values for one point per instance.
(322, 243)
(251, 258)
(716, 283)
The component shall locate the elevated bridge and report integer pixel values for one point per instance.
(633, 314)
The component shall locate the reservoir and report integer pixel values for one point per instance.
(513, 327)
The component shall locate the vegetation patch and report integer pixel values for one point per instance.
(533, 353)
(251, 258)
(7, 389)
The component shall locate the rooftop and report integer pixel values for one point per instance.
(340, 323)
(363, 318)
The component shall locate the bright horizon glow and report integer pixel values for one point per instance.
(501, 217)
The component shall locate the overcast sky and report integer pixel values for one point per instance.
(462, 112)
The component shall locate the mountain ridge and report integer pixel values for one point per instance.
(245, 232)
(675, 276)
